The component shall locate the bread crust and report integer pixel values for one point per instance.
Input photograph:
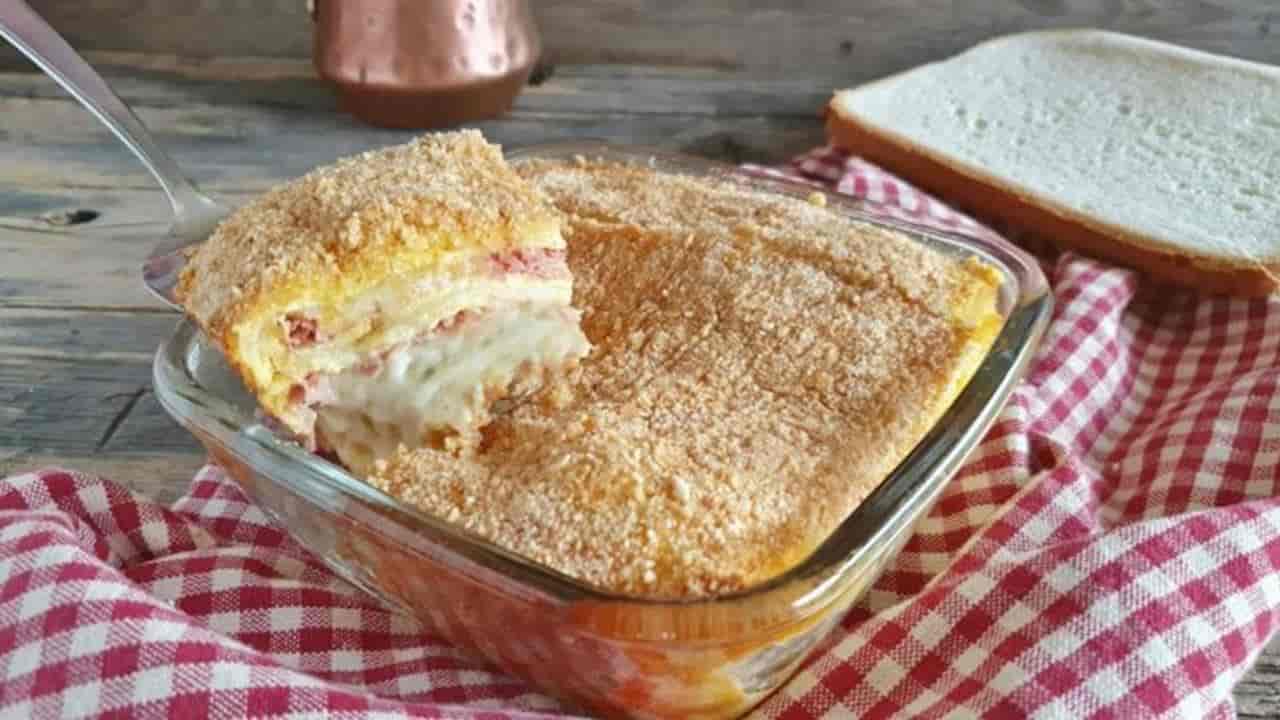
(1067, 228)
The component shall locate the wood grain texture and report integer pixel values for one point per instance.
(75, 391)
(1258, 693)
(71, 377)
(226, 148)
(834, 39)
(221, 128)
(76, 327)
(174, 81)
(90, 266)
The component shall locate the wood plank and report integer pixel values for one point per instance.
(83, 338)
(50, 404)
(95, 265)
(833, 39)
(79, 355)
(55, 143)
(176, 81)
(853, 42)
(1258, 693)
(69, 378)
(87, 268)
(75, 391)
(149, 429)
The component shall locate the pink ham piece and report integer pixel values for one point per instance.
(538, 262)
(301, 330)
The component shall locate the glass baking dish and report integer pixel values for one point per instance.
(618, 656)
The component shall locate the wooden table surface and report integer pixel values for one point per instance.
(77, 330)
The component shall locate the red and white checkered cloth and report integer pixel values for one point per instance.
(1112, 550)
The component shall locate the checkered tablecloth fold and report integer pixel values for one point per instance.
(1111, 550)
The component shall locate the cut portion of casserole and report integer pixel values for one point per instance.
(760, 365)
(390, 298)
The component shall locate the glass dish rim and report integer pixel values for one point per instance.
(898, 501)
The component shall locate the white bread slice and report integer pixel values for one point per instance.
(1148, 154)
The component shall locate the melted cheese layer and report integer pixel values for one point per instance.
(402, 308)
(440, 383)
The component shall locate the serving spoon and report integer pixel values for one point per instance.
(194, 213)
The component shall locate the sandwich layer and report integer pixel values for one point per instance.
(759, 365)
(377, 257)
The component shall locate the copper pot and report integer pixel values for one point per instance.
(425, 63)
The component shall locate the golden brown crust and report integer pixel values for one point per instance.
(360, 217)
(1067, 228)
(759, 365)
(433, 205)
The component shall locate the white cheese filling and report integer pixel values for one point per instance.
(439, 383)
(391, 314)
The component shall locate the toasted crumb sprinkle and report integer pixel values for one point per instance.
(760, 365)
(360, 217)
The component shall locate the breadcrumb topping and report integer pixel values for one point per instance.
(761, 364)
(362, 217)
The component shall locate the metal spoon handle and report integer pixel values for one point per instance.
(28, 32)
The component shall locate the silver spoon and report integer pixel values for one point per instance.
(194, 213)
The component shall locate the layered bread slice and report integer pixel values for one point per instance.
(391, 298)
